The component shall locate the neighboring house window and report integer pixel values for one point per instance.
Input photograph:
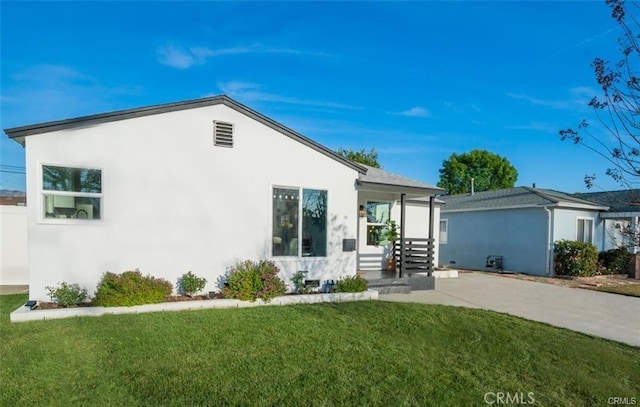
(69, 192)
(444, 229)
(378, 214)
(293, 218)
(585, 230)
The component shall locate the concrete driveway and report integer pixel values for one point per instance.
(606, 315)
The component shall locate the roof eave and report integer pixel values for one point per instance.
(561, 205)
(19, 133)
(379, 186)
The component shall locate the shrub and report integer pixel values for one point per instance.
(614, 261)
(189, 284)
(131, 288)
(575, 258)
(67, 294)
(298, 282)
(251, 280)
(351, 284)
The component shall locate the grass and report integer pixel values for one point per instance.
(361, 353)
(624, 289)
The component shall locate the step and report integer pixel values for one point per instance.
(388, 281)
(391, 289)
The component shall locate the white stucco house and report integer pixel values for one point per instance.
(515, 229)
(197, 186)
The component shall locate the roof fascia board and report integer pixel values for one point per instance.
(381, 187)
(552, 206)
(290, 133)
(572, 205)
(19, 133)
(616, 215)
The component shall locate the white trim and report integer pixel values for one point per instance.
(584, 218)
(41, 219)
(440, 240)
(367, 223)
(300, 198)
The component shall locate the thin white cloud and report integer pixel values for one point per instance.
(181, 58)
(416, 111)
(175, 57)
(49, 72)
(251, 92)
(50, 92)
(535, 126)
(577, 97)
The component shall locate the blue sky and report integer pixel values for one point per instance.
(416, 81)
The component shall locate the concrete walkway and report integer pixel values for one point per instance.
(606, 315)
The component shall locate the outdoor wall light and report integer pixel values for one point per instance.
(361, 211)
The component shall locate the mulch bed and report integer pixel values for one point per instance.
(173, 298)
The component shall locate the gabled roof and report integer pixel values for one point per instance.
(519, 197)
(19, 133)
(618, 201)
(376, 178)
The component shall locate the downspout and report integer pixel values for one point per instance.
(549, 241)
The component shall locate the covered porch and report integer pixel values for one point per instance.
(402, 260)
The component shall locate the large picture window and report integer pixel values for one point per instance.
(299, 225)
(71, 193)
(378, 214)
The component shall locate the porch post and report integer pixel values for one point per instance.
(402, 236)
(432, 201)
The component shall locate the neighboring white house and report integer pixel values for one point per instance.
(13, 242)
(621, 217)
(197, 186)
(516, 227)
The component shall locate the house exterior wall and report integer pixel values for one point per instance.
(173, 202)
(565, 226)
(416, 223)
(519, 235)
(13, 245)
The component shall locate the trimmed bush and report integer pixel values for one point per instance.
(575, 258)
(67, 294)
(351, 284)
(614, 261)
(131, 288)
(189, 284)
(250, 280)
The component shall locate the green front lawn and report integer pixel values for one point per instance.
(361, 353)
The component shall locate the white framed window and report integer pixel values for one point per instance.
(299, 222)
(378, 214)
(444, 230)
(71, 193)
(584, 230)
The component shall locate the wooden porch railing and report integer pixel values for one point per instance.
(417, 256)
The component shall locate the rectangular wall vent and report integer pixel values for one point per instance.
(222, 134)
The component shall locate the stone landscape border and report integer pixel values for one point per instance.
(24, 313)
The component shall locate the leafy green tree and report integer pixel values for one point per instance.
(369, 158)
(488, 170)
